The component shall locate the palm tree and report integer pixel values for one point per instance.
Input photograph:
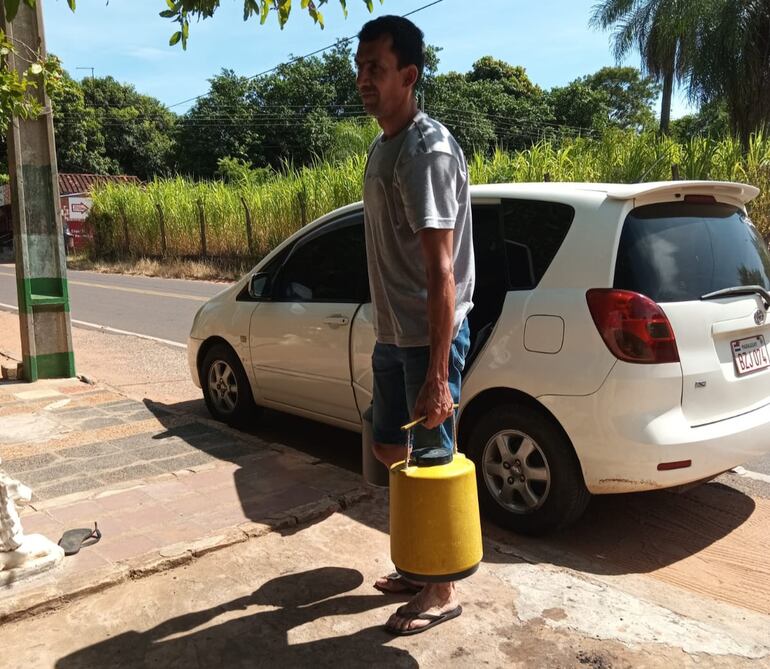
(732, 62)
(663, 31)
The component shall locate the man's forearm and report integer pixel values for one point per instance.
(441, 313)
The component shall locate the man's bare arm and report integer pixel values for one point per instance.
(435, 399)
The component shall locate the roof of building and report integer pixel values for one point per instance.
(76, 184)
(71, 184)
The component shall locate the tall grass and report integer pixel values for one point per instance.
(295, 197)
(276, 209)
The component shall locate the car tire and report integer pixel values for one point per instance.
(528, 475)
(226, 388)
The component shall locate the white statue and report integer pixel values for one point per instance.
(21, 555)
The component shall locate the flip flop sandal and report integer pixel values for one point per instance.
(73, 540)
(397, 585)
(416, 615)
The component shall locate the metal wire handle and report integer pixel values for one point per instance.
(409, 429)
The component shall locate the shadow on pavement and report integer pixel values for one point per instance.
(270, 483)
(637, 533)
(230, 635)
(619, 534)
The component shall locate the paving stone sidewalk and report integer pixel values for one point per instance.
(163, 486)
(86, 438)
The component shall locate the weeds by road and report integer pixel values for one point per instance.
(215, 269)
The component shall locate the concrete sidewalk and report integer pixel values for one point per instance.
(163, 484)
(305, 599)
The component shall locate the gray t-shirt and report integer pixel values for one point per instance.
(415, 180)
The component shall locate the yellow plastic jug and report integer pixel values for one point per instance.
(435, 527)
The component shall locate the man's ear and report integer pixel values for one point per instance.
(410, 76)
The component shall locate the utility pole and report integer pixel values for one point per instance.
(87, 68)
(41, 270)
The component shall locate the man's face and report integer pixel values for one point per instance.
(384, 88)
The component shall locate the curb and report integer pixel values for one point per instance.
(51, 597)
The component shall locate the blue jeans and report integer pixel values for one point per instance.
(399, 374)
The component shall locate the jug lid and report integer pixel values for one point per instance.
(431, 457)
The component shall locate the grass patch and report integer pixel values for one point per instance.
(214, 269)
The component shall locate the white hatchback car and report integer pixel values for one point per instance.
(618, 340)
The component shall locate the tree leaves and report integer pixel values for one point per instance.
(180, 11)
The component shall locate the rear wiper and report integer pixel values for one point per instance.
(741, 290)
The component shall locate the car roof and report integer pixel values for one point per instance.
(564, 189)
(741, 192)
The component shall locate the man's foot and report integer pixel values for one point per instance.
(395, 584)
(435, 604)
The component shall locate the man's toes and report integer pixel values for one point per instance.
(414, 623)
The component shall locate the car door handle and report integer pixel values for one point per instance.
(336, 320)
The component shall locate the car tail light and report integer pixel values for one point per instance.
(633, 327)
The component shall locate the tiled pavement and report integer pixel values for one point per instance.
(137, 456)
(159, 484)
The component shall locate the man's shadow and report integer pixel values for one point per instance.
(257, 639)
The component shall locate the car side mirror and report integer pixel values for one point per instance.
(258, 285)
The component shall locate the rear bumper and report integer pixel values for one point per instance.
(627, 429)
(193, 346)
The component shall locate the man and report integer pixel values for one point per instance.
(421, 273)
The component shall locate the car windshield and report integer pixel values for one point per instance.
(680, 251)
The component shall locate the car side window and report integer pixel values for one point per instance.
(534, 232)
(269, 270)
(491, 275)
(327, 267)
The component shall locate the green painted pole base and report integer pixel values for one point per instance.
(50, 366)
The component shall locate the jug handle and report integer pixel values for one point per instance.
(410, 438)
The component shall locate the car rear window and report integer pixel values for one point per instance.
(679, 251)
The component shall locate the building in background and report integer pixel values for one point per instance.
(75, 193)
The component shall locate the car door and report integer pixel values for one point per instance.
(300, 338)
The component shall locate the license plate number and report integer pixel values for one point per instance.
(750, 355)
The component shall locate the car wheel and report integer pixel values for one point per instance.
(528, 475)
(226, 387)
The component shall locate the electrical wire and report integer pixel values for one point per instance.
(341, 42)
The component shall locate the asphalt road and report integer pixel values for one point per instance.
(162, 308)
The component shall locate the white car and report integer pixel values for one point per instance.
(618, 340)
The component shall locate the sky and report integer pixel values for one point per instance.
(127, 40)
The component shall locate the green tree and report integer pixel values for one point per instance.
(711, 120)
(630, 95)
(449, 98)
(487, 113)
(219, 125)
(14, 87)
(663, 31)
(137, 129)
(513, 78)
(732, 62)
(495, 104)
(579, 108)
(287, 115)
(80, 145)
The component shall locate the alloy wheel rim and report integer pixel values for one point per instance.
(223, 386)
(516, 471)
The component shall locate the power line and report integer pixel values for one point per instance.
(341, 42)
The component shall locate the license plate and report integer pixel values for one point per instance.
(750, 355)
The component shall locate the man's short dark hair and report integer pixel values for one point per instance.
(408, 42)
